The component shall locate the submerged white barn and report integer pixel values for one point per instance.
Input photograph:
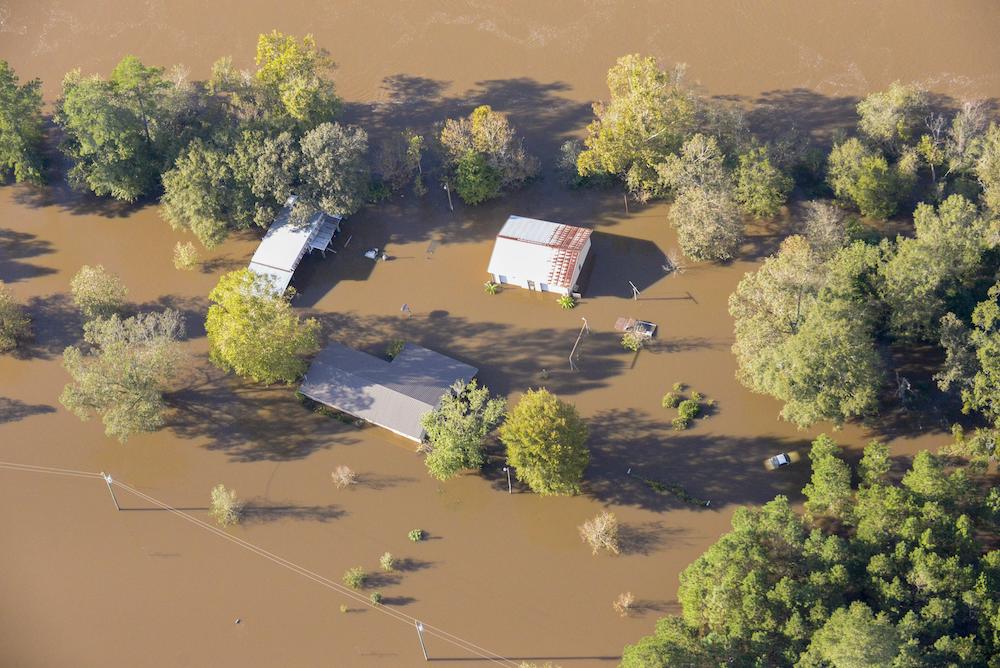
(288, 240)
(540, 255)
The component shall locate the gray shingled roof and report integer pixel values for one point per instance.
(394, 395)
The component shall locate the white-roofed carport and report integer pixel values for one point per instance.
(539, 255)
(288, 240)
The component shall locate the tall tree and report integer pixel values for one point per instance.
(21, 127)
(987, 169)
(293, 80)
(253, 331)
(828, 492)
(546, 443)
(334, 171)
(863, 176)
(925, 276)
(973, 357)
(15, 325)
(457, 430)
(124, 372)
(761, 188)
(648, 116)
(708, 224)
(853, 637)
(894, 117)
(97, 292)
(110, 129)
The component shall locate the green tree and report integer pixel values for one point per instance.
(864, 177)
(894, 117)
(293, 80)
(973, 357)
(334, 172)
(853, 637)
(829, 489)
(925, 276)
(546, 443)
(15, 325)
(761, 188)
(207, 192)
(987, 169)
(398, 161)
(111, 129)
(457, 430)
(700, 163)
(21, 127)
(484, 155)
(825, 226)
(253, 331)
(124, 372)
(875, 464)
(648, 116)
(708, 224)
(97, 292)
(672, 644)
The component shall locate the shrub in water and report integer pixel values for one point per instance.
(491, 288)
(376, 598)
(680, 423)
(416, 535)
(601, 533)
(688, 409)
(387, 562)
(355, 578)
(566, 301)
(670, 400)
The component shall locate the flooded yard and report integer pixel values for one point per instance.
(81, 584)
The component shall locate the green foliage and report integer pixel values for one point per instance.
(973, 357)
(828, 492)
(185, 256)
(987, 169)
(648, 116)
(893, 118)
(394, 348)
(387, 562)
(457, 430)
(632, 341)
(225, 507)
(853, 637)
(293, 80)
(566, 302)
(825, 227)
(355, 577)
(546, 443)
(112, 129)
(708, 224)
(475, 179)
(901, 580)
(416, 535)
(15, 325)
(254, 332)
(680, 423)
(21, 127)
(761, 188)
(932, 273)
(804, 332)
(97, 293)
(689, 409)
(484, 156)
(375, 598)
(678, 387)
(863, 176)
(491, 288)
(670, 400)
(334, 171)
(124, 371)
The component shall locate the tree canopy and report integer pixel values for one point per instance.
(457, 430)
(546, 443)
(21, 127)
(901, 580)
(124, 370)
(15, 325)
(254, 332)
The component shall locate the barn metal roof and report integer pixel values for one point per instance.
(539, 249)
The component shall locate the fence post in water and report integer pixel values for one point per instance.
(420, 637)
(107, 479)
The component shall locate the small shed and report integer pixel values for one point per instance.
(539, 255)
(393, 395)
(287, 241)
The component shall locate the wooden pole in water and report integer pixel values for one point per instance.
(420, 637)
(107, 479)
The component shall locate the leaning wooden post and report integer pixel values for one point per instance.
(107, 479)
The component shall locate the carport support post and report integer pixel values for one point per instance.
(107, 479)
(420, 637)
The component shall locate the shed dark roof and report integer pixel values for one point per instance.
(394, 395)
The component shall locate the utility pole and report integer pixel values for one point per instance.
(510, 487)
(420, 637)
(626, 203)
(448, 190)
(107, 479)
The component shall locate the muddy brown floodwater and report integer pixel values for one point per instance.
(82, 585)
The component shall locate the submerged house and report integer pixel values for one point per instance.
(540, 255)
(393, 395)
(288, 240)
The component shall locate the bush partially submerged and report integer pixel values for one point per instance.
(355, 578)
(343, 476)
(601, 533)
(226, 508)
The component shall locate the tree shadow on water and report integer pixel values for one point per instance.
(16, 246)
(13, 410)
(259, 511)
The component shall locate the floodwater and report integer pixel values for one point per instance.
(81, 584)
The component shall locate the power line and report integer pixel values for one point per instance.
(439, 633)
